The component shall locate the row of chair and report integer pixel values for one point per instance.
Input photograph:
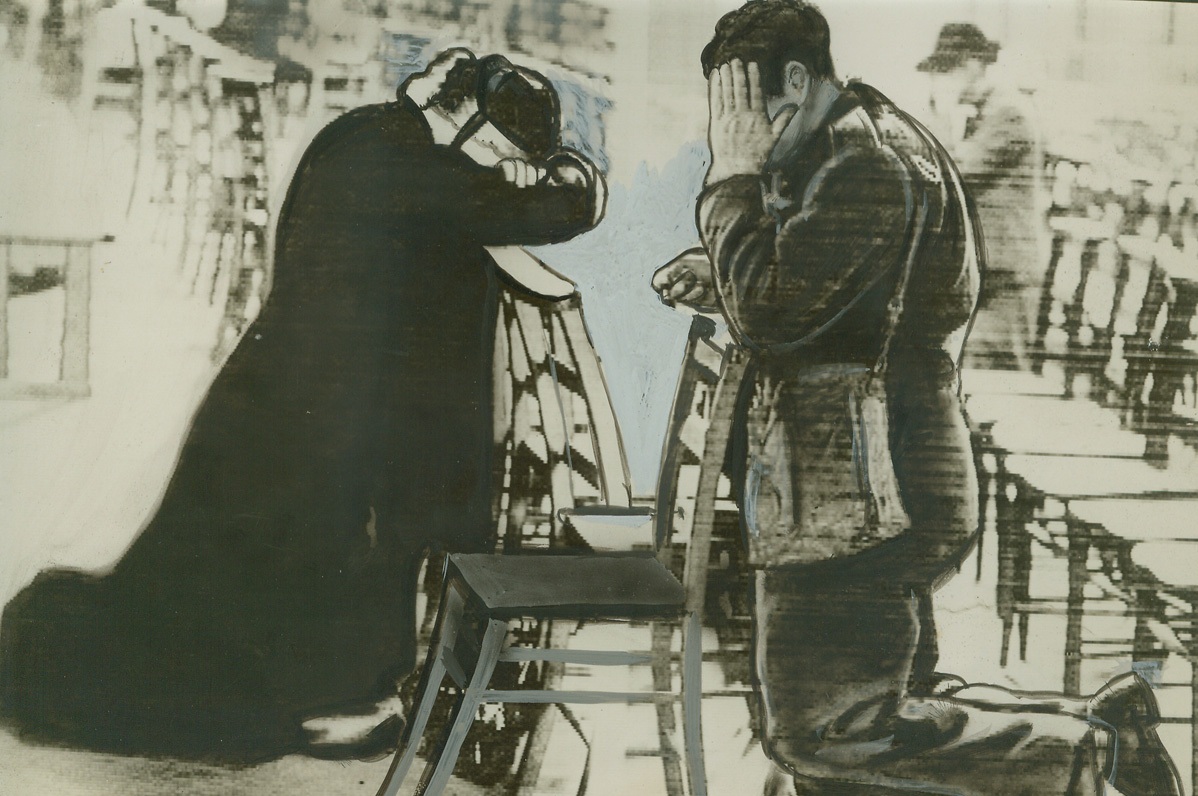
(1086, 461)
(202, 110)
(222, 127)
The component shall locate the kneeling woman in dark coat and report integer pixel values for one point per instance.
(350, 430)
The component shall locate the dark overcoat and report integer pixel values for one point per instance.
(349, 429)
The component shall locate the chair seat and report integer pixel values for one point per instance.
(1038, 434)
(1041, 410)
(1081, 476)
(1174, 564)
(586, 585)
(1142, 520)
(987, 381)
(1081, 227)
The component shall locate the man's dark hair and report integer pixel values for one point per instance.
(772, 33)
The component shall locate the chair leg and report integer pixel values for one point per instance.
(692, 702)
(1008, 626)
(1192, 654)
(448, 622)
(1079, 549)
(436, 776)
(662, 635)
(529, 770)
(1024, 621)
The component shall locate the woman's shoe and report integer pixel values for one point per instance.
(366, 737)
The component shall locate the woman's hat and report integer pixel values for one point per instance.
(522, 104)
(958, 42)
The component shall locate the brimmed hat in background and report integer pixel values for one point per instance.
(958, 42)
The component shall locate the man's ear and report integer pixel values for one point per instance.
(796, 82)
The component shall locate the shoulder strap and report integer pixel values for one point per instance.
(894, 310)
(919, 219)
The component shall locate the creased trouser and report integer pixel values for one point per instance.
(836, 643)
(832, 662)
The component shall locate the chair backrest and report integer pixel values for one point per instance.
(1167, 349)
(686, 432)
(1136, 317)
(1126, 327)
(1105, 294)
(557, 441)
(694, 492)
(1077, 296)
(693, 489)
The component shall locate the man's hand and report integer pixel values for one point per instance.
(740, 134)
(521, 173)
(687, 279)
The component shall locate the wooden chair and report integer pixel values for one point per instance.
(1162, 576)
(1172, 571)
(1171, 357)
(247, 273)
(1040, 488)
(123, 86)
(73, 253)
(1156, 354)
(1105, 420)
(557, 448)
(494, 589)
(482, 593)
(341, 86)
(1044, 414)
(1049, 445)
(120, 85)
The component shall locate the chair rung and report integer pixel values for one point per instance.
(1056, 607)
(669, 753)
(602, 697)
(577, 697)
(726, 693)
(586, 657)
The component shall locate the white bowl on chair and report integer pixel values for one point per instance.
(612, 529)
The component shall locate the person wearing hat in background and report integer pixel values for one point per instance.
(349, 430)
(989, 132)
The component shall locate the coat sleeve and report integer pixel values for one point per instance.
(457, 193)
(783, 279)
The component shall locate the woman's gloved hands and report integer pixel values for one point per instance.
(565, 168)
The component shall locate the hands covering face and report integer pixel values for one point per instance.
(741, 134)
